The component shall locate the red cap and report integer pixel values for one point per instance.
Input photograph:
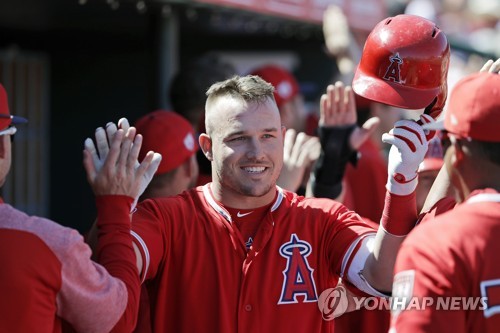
(474, 108)
(5, 117)
(285, 85)
(169, 134)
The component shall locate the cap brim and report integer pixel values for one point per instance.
(430, 164)
(438, 125)
(18, 120)
(390, 93)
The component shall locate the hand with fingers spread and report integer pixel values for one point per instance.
(340, 137)
(112, 168)
(409, 146)
(338, 109)
(300, 150)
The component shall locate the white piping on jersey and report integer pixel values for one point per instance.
(277, 203)
(484, 197)
(355, 270)
(213, 203)
(224, 213)
(348, 254)
(145, 265)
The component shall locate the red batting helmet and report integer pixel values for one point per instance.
(404, 63)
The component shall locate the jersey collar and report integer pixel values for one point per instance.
(207, 193)
(486, 195)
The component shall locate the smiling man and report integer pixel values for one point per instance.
(242, 254)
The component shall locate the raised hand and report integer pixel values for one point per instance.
(338, 109)
(112, 167)
(300, 150)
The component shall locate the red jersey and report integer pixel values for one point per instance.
(47, 276)
(202, 278)
(365, 183)
(455, 256)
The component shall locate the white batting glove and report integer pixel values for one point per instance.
(409, 146)
(102, 138)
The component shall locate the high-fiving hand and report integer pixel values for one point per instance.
(113, 168)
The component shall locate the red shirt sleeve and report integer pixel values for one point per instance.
(148, 230)
(116, 254)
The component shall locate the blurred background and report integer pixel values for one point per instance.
(73, 65)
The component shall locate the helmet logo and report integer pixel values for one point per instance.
(393, 72)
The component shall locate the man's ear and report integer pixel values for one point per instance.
(206, 145)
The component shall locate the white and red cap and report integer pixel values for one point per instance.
(169, 134)
(6, 119)
(285, 85)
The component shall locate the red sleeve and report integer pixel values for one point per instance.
(422, 273)
(345, 231)
(148, 230)
(116, 254)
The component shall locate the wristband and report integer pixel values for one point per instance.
(400, 213)
(336, 152)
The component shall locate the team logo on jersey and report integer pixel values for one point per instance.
(393, 71)
(490, 290)
(402, 290)
(298, 275)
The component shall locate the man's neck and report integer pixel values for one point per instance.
(231, 198)
(484, 175)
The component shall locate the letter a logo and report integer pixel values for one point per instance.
(393, 72)
(297, 276)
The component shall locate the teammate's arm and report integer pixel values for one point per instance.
(409, 146)
(340, 138)
(115, 180)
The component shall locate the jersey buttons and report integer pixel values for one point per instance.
(248, 307)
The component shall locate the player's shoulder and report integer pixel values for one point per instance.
(186, 198)
(462, 224)
(54, 235)
(318, 209)
(299, 202)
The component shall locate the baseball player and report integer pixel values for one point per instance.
(47, 277)
(453, 258)
(404, 64)
(240, 253)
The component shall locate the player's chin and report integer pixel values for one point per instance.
(257, 189)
